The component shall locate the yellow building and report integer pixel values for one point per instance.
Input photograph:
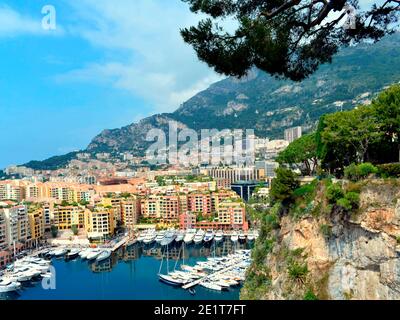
(100, 223)
(66, 217)
(36, 224)
(232, 213)
(130, 212)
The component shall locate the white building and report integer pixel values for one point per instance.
(292, 134)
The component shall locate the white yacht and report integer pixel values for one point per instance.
(160, 236)
(104, 255)
(180, 235)
(60, 252)
(242, 237)
(234, 237)
(198, 238)
(219, 236)
(8, 286)
(94, 254)
(150, 237)
(73, 254)
(83, 254)
(209, 236)
(251, 236)
(190, 234)
(142, 236)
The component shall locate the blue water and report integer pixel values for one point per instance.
(131, 274)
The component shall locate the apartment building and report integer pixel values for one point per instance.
(36, 224)
(66, 217)
(165, 207)
(17, 225)
(3, 229)
(12, 191)
(130, 212)
(200, 203)
(225, 177)
(100, 223)
(232, 214)
(293, 134)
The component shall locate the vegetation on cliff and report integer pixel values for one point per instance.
(343, 143)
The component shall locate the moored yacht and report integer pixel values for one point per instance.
(160, 236)
(209, 236)
(73, 254)
(251, 236)
(242, 237)
(234, 237)
(150, 237)
(198, 238)
(7, 285)
(190, 234)
(94, 254)
(170, 236)
(83, 254)
(180, 236)
(104, 255)
(219, 236)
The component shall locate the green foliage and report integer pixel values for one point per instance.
(367, 133)
(75, 230)
(326, 230)
(283, 186)
(389, 170)
(277, 36)
(310, 295)
(54, 231)
(344, 203)
(357, 172)
(301, 151)
(297, 271)
(334, 192)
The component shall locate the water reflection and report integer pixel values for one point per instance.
(175, 252)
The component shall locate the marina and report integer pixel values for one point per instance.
(131, 272)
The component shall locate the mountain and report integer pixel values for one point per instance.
(269, 105)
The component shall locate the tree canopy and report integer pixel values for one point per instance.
(301, 153)
(367, 133)
(286, 38)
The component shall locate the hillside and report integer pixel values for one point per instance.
(270, 105)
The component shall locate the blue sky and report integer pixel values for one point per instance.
(108, 64)
(103, 67)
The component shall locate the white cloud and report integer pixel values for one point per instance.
(13, 23)
(144, 51)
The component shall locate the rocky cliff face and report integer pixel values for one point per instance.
(359, 258)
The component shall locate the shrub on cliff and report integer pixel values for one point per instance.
(390, 170)
(357, 172)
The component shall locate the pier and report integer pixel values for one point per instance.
(209, 276)
(120, 244)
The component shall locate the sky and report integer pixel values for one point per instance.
(107, 64)
(103, 67)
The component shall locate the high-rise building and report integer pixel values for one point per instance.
(293, 134)
(17, 225)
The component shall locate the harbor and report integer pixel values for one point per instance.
(209, 269)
